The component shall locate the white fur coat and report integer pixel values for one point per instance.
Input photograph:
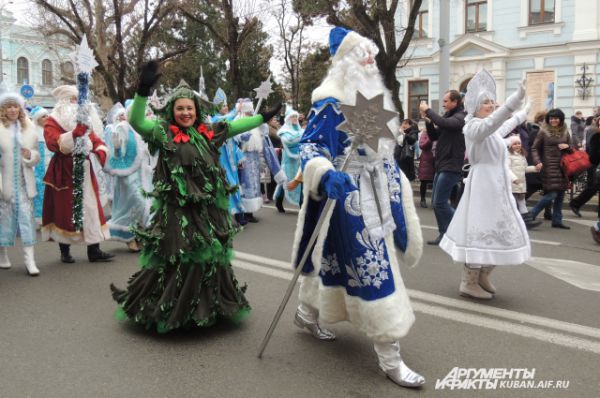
(29, 140)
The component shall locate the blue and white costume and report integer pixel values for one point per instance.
(256, 144)
(36, 114)
(290, 134)
(231, 157)
(129, 207)
(18, 157)
(353, 273)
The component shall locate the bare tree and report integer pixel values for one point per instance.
(222, 20)
(376, 20)
(122, 34)
(291, 33)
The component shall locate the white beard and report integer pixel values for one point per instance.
(368, 80)
(65, 113)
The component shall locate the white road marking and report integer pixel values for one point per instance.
(465, 312)
(581, 221)
(583, 275)
(287, 210)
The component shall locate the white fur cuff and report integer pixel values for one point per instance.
(313, 172)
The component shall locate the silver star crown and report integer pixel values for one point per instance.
(367, 120)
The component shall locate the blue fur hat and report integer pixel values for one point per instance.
(342, 40)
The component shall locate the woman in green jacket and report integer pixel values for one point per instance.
(186, 278)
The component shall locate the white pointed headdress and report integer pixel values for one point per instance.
(482, 87)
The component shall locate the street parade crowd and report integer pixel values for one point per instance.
(181, 176)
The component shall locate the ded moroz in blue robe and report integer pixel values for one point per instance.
(353, 273)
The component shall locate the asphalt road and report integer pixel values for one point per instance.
(59, 337)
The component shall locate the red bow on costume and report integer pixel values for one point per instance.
(179, 136)
(209, 134)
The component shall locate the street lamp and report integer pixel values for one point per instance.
(2, 7)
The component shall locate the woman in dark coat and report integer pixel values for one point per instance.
(426, 167)
(552, 139)
(404, 153)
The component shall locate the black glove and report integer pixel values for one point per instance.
(148, 77)
(268, 115)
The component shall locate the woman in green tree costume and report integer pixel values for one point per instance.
(186, 278)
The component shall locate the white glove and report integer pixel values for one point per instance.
(527, 108)
(400, 139)
(522, 89)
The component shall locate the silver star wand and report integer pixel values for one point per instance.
(262, 93)
(366, 122)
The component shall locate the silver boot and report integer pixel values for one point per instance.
(394, 368)
(306, 320)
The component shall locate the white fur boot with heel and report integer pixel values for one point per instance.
(32, 269)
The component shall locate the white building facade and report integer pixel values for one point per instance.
(549, 42)
(29, 58)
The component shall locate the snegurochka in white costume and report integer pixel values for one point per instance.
(353, 272)
(127, 155)
(18, 156)
(487, 229)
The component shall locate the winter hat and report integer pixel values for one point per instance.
(37, 112)
(7, 96)
(290, 112)
(244, 105)
(514, 139)
(64, 92)
(342, 41)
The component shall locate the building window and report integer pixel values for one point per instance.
(476, 16)
(22, 70)
(417, 91)
(68, 71)
(421, 21)
(47, 73)
(541, 11)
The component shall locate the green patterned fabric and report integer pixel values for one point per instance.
(186, 278)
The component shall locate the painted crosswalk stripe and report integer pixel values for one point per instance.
(544, 329)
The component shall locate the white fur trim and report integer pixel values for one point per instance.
(252, 205)
(280, 178)
(102, 148)
(313, 172)
(330, 87)
(351, 40)
(384, 320)
(28, 140)
(414, 248)
(66, 143)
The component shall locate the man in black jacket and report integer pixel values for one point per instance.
(593, 187)
(449, 156)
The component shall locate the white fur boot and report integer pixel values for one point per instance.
(4, 260)
(32, 269)
(391, 363)
(484, 279)
(469, 284)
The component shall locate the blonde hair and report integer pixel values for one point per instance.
(4, 119)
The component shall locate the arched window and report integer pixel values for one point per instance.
(47, 73)
(68, 70)
(22, 70)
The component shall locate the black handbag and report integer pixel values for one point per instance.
(596, 176)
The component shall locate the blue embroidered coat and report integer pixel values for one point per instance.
(353, 273)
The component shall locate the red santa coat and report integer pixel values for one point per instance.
(57, 216)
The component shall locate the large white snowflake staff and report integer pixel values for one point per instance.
(84, 60)
(366, 123)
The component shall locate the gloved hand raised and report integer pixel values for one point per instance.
(268, 115)
(148, 77)
(334, 184)
(79, 130)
